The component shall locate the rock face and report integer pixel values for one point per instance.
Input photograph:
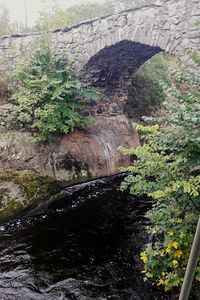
(75, 157)
(171, 26)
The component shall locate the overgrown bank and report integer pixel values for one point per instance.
(166, 168)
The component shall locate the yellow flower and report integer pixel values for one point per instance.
(178, 221)
(171, 244)
(143, 257)
(178, 253)
(168, 285)
(174, 264)
(166, 281)
(162, 253)
(175, 245)
(160, 282)
(149, 275)
(170, 233)
(197, 278)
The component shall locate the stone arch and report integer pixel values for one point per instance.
(171, 25)
(113, 70)
(116, 63)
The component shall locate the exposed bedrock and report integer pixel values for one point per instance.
(75, 157)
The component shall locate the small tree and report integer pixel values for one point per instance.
(58, 18)
(167, 169)
(48, 99)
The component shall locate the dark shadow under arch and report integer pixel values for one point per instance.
(113, 67)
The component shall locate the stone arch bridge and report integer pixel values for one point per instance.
(105, 52)
(172, 26)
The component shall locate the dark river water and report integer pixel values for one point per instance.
(85, 246)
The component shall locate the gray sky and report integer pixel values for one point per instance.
(17, 12)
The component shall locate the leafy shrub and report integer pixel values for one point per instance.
(167, 168)
(48, 99)
(146, 93)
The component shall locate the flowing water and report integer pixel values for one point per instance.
(84, 246)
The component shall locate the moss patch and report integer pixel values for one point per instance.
(20, 189)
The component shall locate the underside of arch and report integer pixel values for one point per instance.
(113, 67)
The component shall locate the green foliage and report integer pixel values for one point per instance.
(87, 11)
(167, 169)
(58, 18)
(48, 99)
(146, 93)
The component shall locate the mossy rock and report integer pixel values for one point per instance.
(21, 189)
